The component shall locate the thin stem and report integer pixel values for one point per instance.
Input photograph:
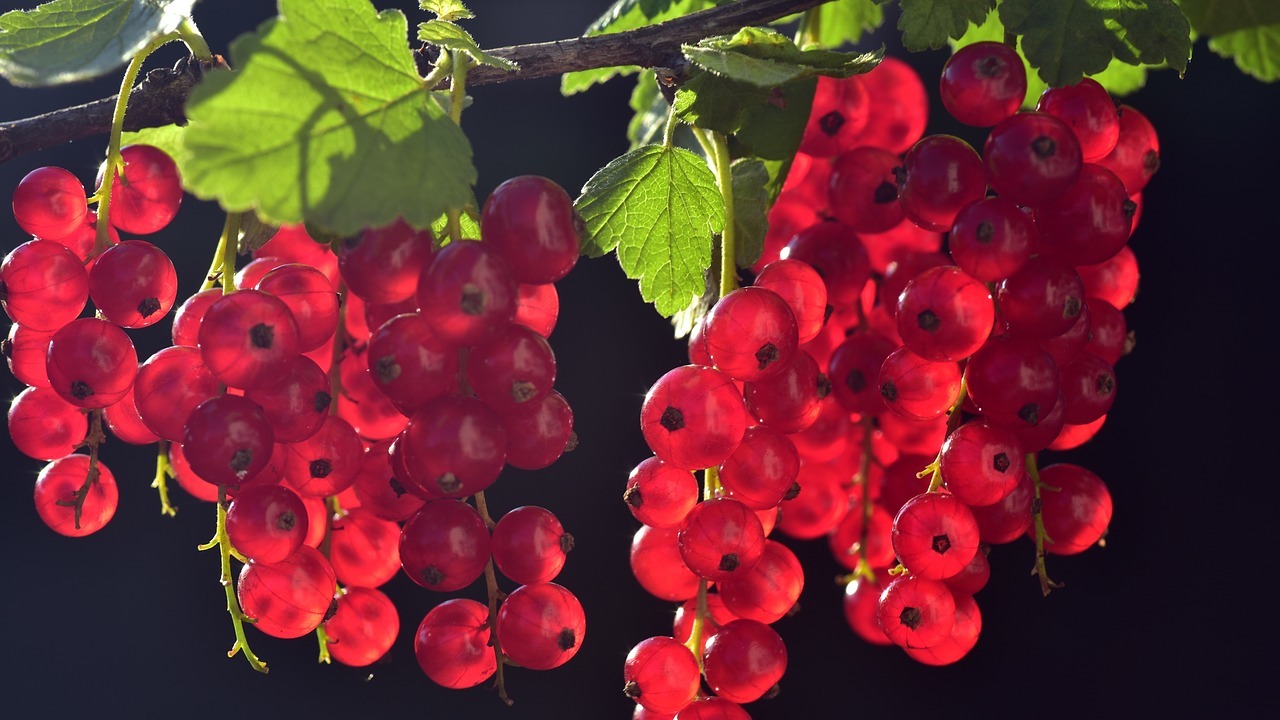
(161, 481)
(728, 239)
(230, 238)
(440, 71)
(701, 616)
(1037, 518)
(195, 42)
(339, 347)
(669, 132)
(103, 239)
(458, 86)
(238, 618)
(863, 483)
(322, 637)
(214, 275)
(92, 439)
(710, 483)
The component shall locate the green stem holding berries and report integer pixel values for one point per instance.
(238, 619)
(1037, 519)
(161, 481)
(495, 597)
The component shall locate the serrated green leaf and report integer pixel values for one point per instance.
(750, 210)
(169, 138)
(326, 121)
(764, 122)
(1256, 51)
(844, 21)
(650, 108)
(71, 40)
(1067, 39)
(445, 34)
(625, 15)
(1218, 17)
(447, 10)
(659, 207)
(766, 58)
(683, 322)
(928, 24)
(1118, 78)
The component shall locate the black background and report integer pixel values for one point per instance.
(1175, 614)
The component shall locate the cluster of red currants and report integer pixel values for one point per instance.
(956, 366)
(973, 319)
(341, 406)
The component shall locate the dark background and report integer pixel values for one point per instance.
(1175, 614)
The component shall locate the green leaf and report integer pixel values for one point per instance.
(1067, 39)
(70, 40)
(467, 222)
(621, 16)
(765, 122)
(445, 34)
(169, 138)
(659, 207)
(1256, 51)
(575, 82)
(1219, 17)
(766, 58)
(750, 210)
(650, 107)
(326, 121)
(1118, 78)
(447, 10)
(844, 21)
(928, 24)
(683, 322)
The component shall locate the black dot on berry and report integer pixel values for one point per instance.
(566, 543)
(986, 232)
(824, 386)
(631, 689)
(572, 442)
(793, 492)
(899, 176)
(1151, 162)
(886, 192)
(1030, 414)
(80, 390)
(240, 460)
(1071, 307)
(321, 468)
(286, 520)
(1000, 462)
(148, 307)
(449, 483)
(633, 497)
(911, 617)
(767, 355)
(322, 401)
(388, 369)
(432, 575)
(1129, 208)
(928, 320)
(6, 347)
(567, 639)
(1044, 147)
(889, 391)
(396, 487)
(941, 544)
(523, 391)
(990, 67)
(473, 300)
(831, 123)
(262, 336)
(331, 611)
(1106, 384)
(728, 562)
(856, 380)
(672, 419)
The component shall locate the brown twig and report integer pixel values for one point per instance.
(159, 99)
